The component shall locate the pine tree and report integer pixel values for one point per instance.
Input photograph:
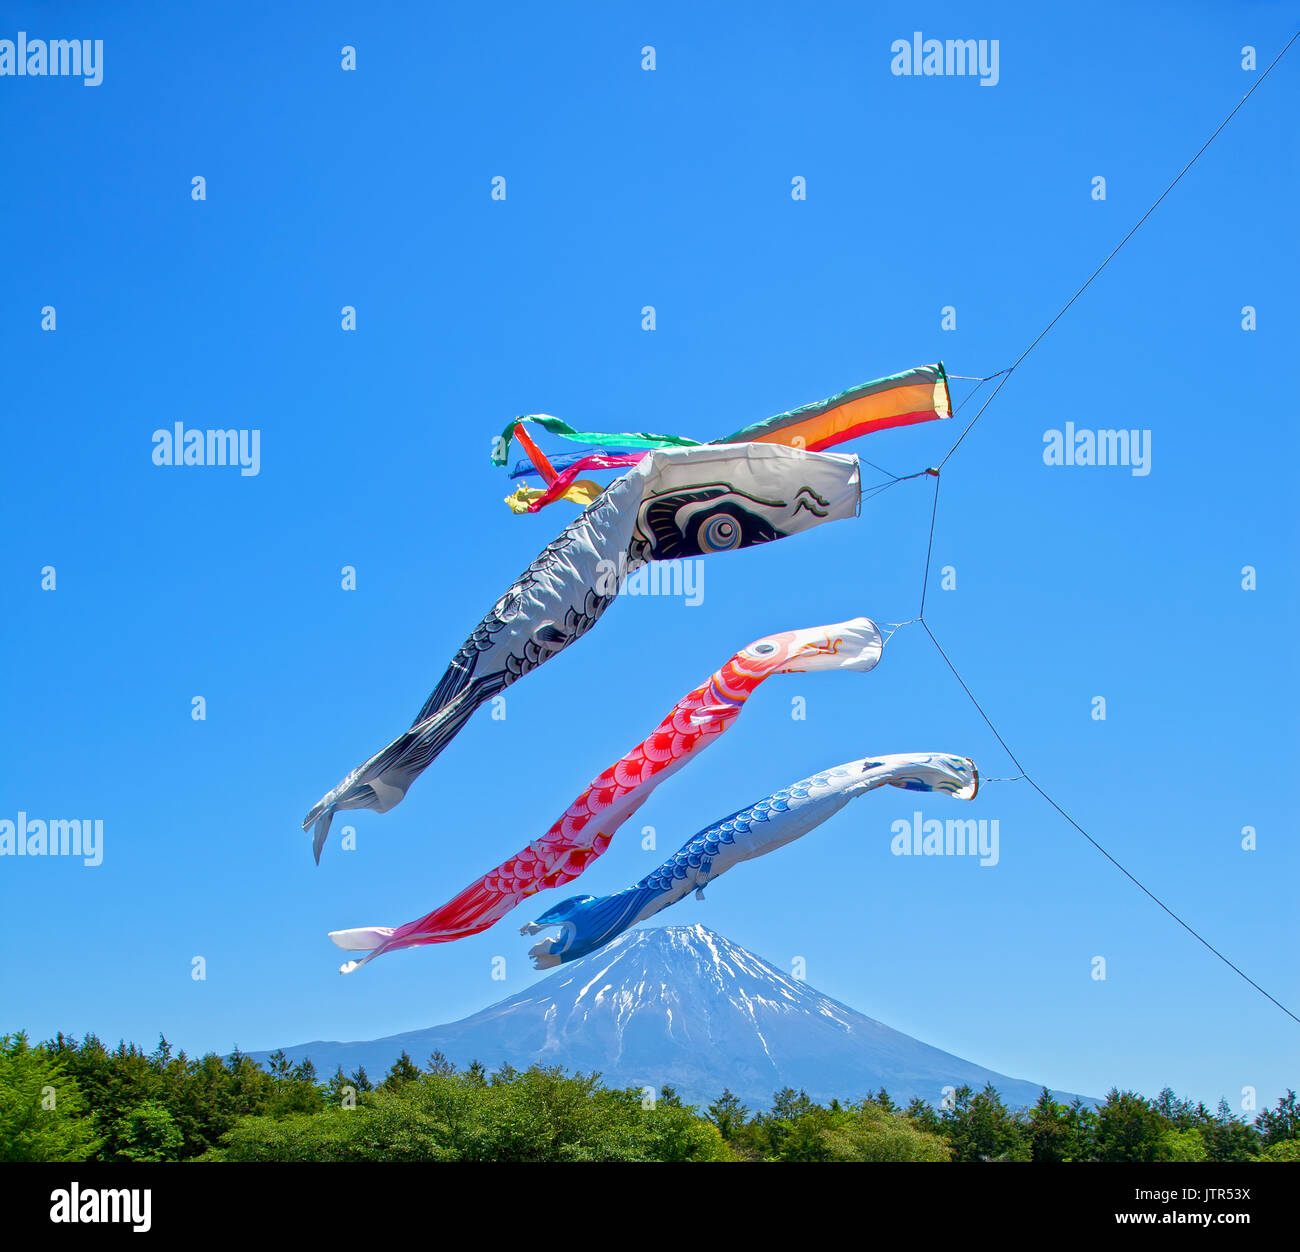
(727, 1113)
(1049, 1129)
(1280, 1124)
(403, 1071)
(338, 1089)
(439, 1064)
(1129, 1128)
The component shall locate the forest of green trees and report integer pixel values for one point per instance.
(75, 1100)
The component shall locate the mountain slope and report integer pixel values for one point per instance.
(682, 1006)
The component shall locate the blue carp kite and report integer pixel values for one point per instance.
(589, 922)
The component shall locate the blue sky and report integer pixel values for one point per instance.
(668, 188)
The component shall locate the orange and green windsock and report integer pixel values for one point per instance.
(918, 395)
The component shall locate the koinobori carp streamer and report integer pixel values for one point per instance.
(588, 922)
(674, 503)
(586, 827)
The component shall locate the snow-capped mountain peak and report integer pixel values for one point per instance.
(682, 1006)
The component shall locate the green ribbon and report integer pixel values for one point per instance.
(638, 439)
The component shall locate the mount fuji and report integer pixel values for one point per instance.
(681, 1006)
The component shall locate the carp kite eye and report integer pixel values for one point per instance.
(763, 649)
(717, 534)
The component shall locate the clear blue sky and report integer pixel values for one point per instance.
(671, 188)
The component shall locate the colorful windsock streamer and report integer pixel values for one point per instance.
(565, 484)
(674, 503)
(916, 395)
(589, 922)
(586, 827)
(629, 439)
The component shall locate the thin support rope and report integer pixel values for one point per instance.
(1131, 877)
(929, 550)
(1065, 307)
(1004, 376)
